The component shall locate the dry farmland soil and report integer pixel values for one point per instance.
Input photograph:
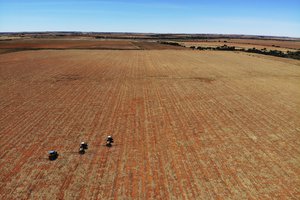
(186, 125)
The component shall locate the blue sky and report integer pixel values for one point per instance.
(256, 17)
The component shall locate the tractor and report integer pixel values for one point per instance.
(109, 141)
(53, 155)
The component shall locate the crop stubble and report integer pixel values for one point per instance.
(187, 125)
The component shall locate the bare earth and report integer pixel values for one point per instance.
(187, 125)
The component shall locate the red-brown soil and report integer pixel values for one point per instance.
(186, 124)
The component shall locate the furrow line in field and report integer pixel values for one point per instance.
(172, 113)
(245, 125)
(194, 118)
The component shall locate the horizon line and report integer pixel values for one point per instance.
(163, 33)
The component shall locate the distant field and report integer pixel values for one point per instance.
(187, 124)
(21, 44)
(118, 44)
(57, 43)
(249, 43)
(280, 43)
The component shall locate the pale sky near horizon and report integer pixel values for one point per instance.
(256, 17)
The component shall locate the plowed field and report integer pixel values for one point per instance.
(87, 44)
(186, 125)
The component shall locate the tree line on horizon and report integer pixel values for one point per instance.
(264, 51)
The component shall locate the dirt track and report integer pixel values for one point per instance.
(187, 125)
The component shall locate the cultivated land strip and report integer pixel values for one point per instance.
(187, 125)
